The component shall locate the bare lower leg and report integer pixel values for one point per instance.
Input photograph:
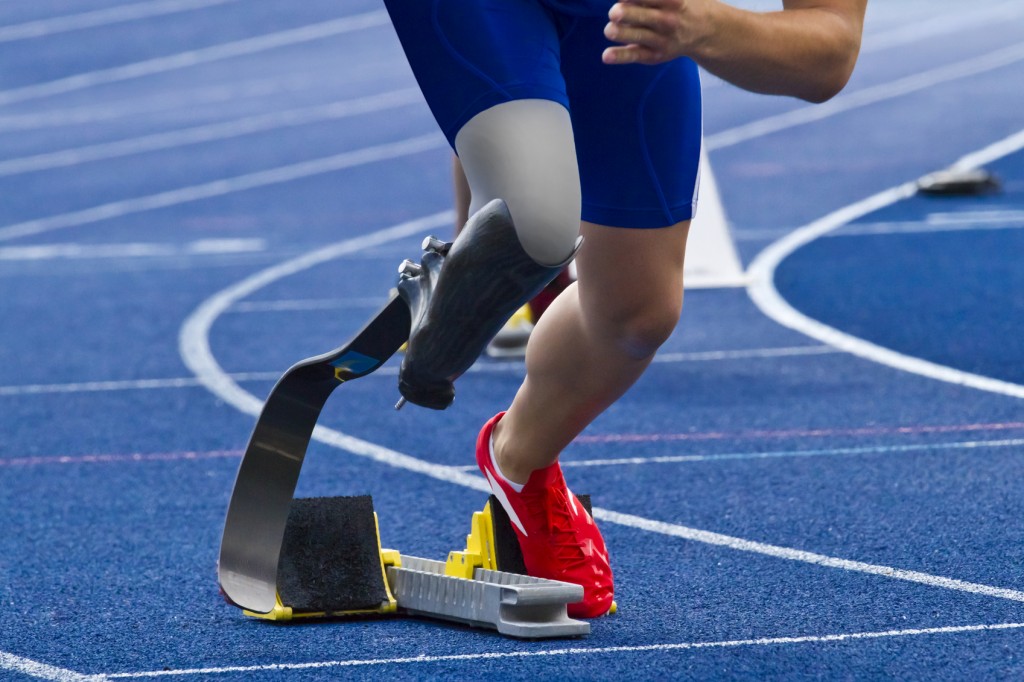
(593, 343)
(460, 188)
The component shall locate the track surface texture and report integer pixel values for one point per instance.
(820, 477)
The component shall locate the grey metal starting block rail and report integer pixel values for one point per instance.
(514, 605)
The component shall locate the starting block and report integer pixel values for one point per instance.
(332, 565)
(959, 183)
(283, 559)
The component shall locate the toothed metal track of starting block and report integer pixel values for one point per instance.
(515, 605)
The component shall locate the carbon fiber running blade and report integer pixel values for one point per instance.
(258, 511)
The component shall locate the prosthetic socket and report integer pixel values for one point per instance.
(460, 296)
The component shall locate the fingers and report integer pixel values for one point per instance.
(634, 35)
(652, 14)
(632, 54)
(645, 27)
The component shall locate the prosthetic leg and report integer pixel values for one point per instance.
(282, 559)
(457, 310)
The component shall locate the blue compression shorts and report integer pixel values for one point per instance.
(637, 128)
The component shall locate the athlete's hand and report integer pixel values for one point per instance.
(655, 31)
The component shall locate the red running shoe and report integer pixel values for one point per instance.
(558, 538)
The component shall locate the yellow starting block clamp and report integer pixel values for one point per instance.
(480, 550)
(493, 545)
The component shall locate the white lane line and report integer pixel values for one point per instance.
(802, 556)
(993, 152)
(185, 100)
(125, 385)
(194, 347)
(201, 247)
(779, 454)
(238, 48)
(923, 227)
(866, 96)
(112, 458)
(723, 139)
(481, 367)
(193, 455)
(216, 188)
(304, 304)
(101, 17)
(582, 651)
(42, 671)
(766, 434)
(1009, 220)
(719, 140)
(930, 27)
(764, 294)
(746, 353)
(995, 216)
(212, 132)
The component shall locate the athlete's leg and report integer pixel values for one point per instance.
(638, 137)
(460, 188)
(594, 342)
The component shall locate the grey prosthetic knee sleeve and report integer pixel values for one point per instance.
(523, 153)
(460, 297)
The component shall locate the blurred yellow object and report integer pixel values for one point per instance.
(510, 341)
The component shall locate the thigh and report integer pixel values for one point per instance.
(638, 132)
(623, 272)
(470, 55)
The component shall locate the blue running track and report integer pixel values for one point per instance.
(820, 477)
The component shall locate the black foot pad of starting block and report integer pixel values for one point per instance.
(331, 558)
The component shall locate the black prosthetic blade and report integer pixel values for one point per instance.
(507, 553)
(258, 511)
(330, 560)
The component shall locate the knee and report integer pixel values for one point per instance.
(639, 332)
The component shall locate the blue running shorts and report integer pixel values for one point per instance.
(637, 128)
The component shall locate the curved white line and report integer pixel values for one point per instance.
(43, 671)
(764, 294)
(194, 347)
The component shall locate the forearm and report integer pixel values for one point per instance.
(807, 53)
(807, 50)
